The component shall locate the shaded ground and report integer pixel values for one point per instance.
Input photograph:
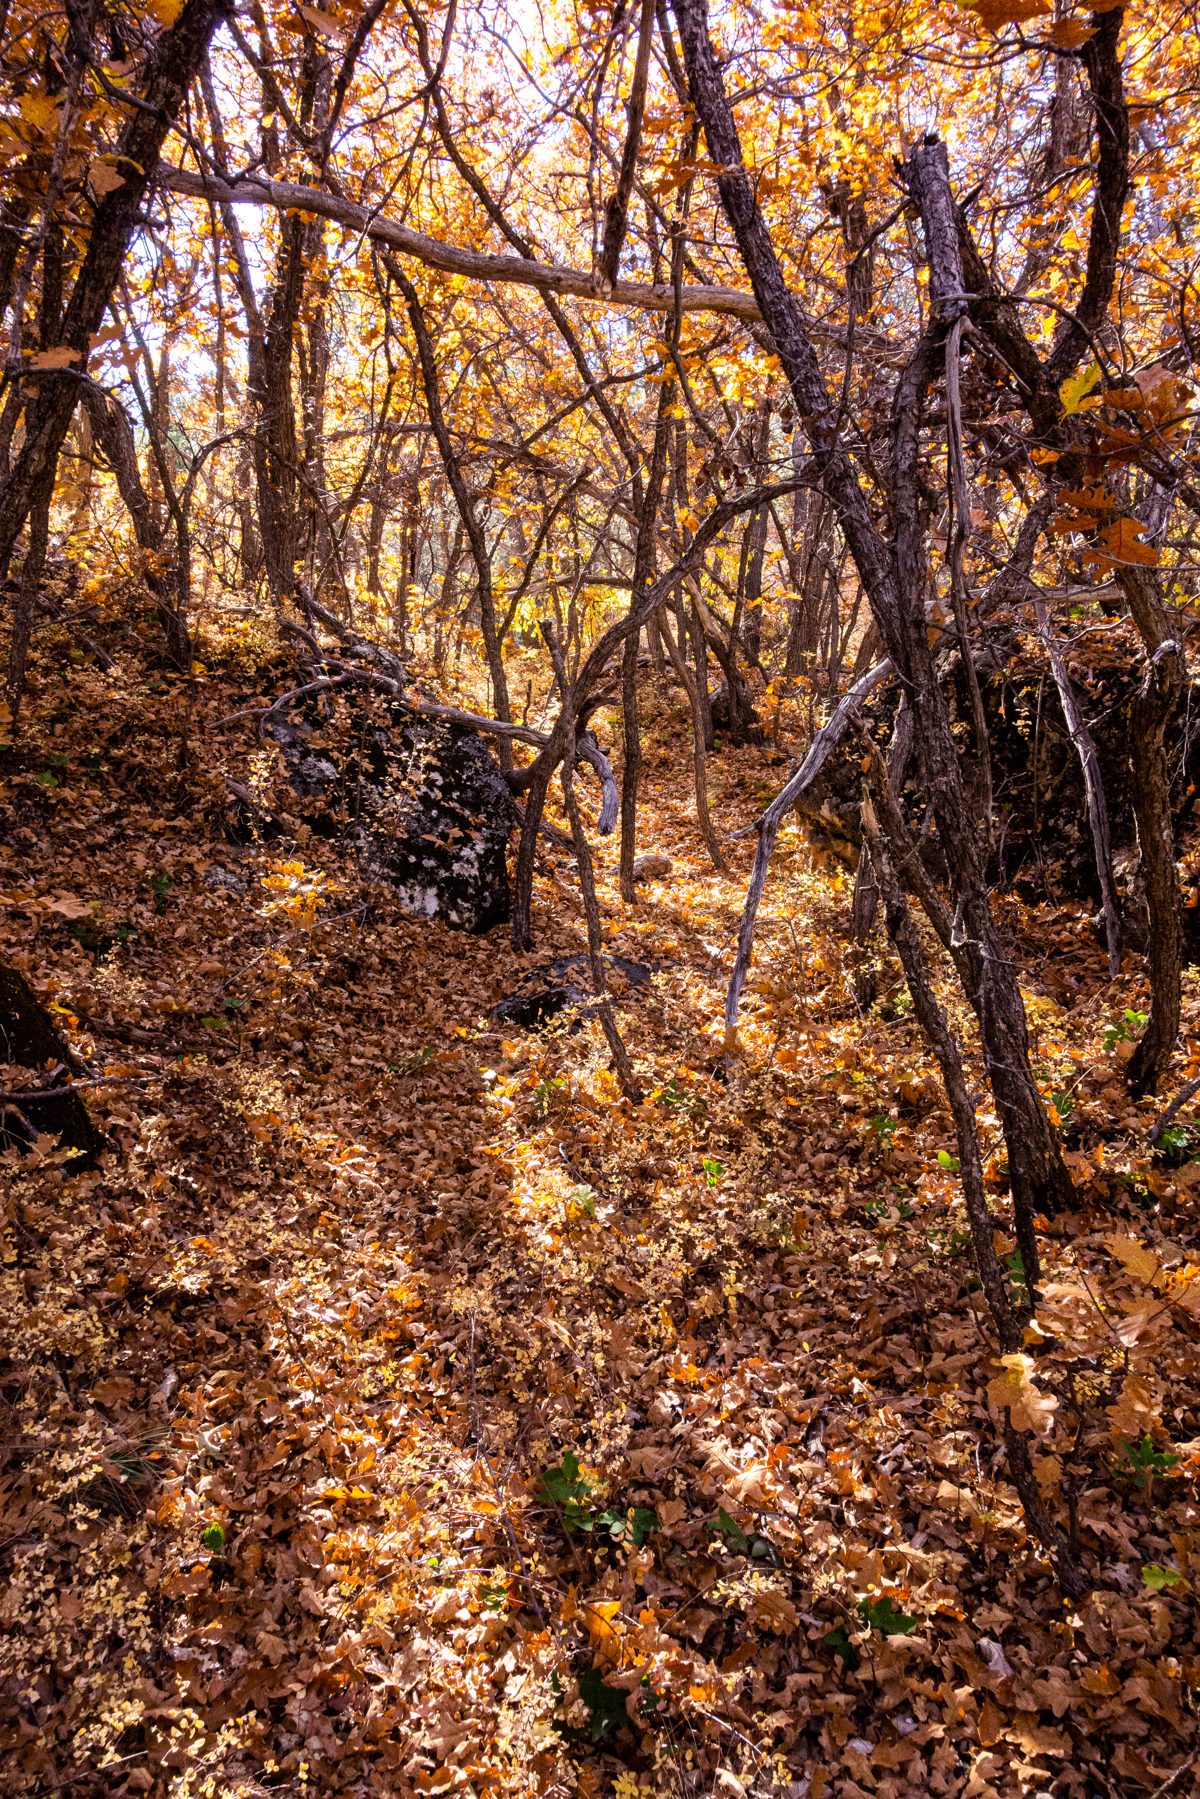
(401, 1411)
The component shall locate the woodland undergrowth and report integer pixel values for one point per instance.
(397, 1409)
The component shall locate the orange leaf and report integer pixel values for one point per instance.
(1122, 546)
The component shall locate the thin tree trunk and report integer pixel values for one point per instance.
(643, 567)
(1154, 707)
(463, 500)
(1093, 784)
(1006, 1318)
(26, 602)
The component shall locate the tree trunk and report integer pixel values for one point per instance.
(896, 579)
(171, 66)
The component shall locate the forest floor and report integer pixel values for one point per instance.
(402, 1411)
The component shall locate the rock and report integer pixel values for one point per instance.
(1043, 844)
(654, 866)
(226, 880)
(548, 991)
(313, 775)
(423, 801)
(530, 1011)
(734, 712)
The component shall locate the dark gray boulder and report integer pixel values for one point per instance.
(422, 800)
(435, 823)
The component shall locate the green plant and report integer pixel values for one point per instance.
(679, 1099)
(743, 1542)
(1064, 1104)
(605, 1708)
(885, 1617)
(568, 1488)
(419, 1058)
(947, 1242)
(161, 884)
(1130, 1024)
(543, 1094)
(213, 1537)
(885, 1128)
(1145, 1462)
(1156, 1577)
(713, 1170)
(947, 1162)
(842, 1647)
(54, 773)
(1015, 1264)
(97, 940)
(1175, 1144)
(878, 1211)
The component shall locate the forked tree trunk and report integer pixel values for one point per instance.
(896, 578)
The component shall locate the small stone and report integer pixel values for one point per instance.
(655, 866)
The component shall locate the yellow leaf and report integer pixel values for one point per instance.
(164, 12)
(599, 1618)
(1076, 388)
(39, 110)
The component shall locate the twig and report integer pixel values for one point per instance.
(1171, 1783)
(1172, 1111)
(767, 824)
(27, 1094)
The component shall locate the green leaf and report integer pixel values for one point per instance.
(1146, 1461)
(728, 1528)
(606, 1705)
(1156, 1577)
(884, 1617)
(713, 1170)
(564, 1485)
(641, 1522)
(214, 1538)
(947, 1161)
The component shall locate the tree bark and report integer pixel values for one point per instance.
(896, 579)
(1154, 707)
(171, 66)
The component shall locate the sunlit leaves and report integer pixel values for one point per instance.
(1015, 1391)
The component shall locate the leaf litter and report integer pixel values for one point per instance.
(398, 1409)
